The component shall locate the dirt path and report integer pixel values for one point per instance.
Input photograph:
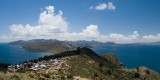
(48, 70)
(52, 68)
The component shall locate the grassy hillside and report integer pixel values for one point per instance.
(83, 64)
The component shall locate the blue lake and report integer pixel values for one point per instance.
(130, 55)
(12, 54)
(134, 55)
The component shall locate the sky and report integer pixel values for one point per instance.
(127, 21)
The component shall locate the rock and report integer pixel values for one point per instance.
(146, 73)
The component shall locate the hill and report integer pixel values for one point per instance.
(81, 64)
(56, 46)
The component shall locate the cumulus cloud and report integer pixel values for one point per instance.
(111, 6)
(91, 31)
(104, 6)
(116, 36)
(151, 37)
(49, 23)
(54, 26)
(120, 38)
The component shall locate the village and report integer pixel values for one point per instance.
(39, 65)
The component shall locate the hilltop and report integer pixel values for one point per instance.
(82, 64)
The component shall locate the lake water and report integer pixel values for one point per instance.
(12, 54)
(130, 55)
(134, 55)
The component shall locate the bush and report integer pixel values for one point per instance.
(70, 77)
(15, 77)
(46, 75)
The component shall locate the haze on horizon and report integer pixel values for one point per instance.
(127, 21)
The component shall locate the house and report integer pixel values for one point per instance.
(56, 62)
(42, 66)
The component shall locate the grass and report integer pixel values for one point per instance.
(81, 66)
(83, 63)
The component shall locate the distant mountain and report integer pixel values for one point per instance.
(82, 64)
(56, 46)
(89, 44)
(19, 42)
(110, 43)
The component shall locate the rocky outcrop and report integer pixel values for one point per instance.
(144, 73)
(112, 58)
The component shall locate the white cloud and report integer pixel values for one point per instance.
(104, 6)
(54, 26)
(50, 9)
(111, 6)
(49, 23)
(123, 38)
(151, 37)
(91, 31)
(4, 38)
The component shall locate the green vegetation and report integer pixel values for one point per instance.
(3, 67)
(84, 64)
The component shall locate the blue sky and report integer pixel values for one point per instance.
(129, 20)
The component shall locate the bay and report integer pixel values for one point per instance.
(12, 54)
(134, 55)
